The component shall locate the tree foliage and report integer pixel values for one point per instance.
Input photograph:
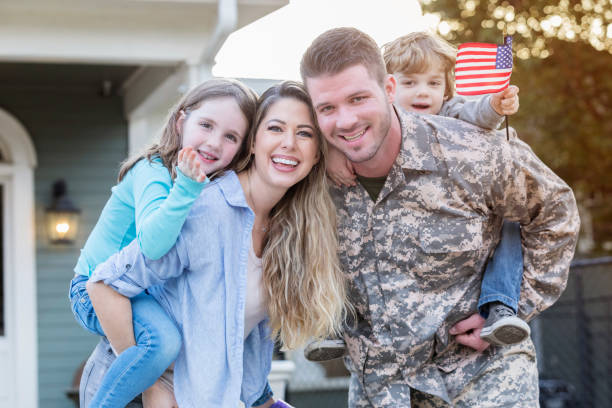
(534, 24)
(565, 83)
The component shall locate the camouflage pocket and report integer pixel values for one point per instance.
(447, 235)
(449, 251)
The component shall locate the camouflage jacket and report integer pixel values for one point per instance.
(416, 256)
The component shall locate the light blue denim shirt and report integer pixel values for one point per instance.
(201, 283)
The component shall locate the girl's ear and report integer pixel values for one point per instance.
(180, 121)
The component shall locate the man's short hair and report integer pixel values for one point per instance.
(341, 48)
(418, 52)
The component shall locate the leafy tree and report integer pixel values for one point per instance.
(533, 23)
(566, 88)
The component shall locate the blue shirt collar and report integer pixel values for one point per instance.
(230, 187)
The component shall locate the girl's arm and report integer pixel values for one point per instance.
(162, 206)
(156, 202)
(339, 168)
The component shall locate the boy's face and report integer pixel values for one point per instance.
(421, 92)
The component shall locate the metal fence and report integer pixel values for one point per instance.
(573, 340)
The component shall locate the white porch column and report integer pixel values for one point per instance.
(281, 372)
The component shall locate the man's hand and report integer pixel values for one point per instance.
(190, 165)
(467, 332)
(506, 102)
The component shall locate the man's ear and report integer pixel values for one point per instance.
(180, 121)
(390, 85)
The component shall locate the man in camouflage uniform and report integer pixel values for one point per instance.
(415, 254)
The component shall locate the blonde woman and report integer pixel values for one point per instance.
(256, 261)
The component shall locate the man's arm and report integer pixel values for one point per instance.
(525, 190)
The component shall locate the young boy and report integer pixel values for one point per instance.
(422, 65)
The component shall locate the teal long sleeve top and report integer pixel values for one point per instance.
(146, 205)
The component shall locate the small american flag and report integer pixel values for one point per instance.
(483, 68)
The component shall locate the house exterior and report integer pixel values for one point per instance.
(82, 85)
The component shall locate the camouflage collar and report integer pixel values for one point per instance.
(417, 141)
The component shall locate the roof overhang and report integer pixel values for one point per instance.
(135, 32)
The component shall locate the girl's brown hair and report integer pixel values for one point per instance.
(171, 140)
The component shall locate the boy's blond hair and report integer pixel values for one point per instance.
(418, 52)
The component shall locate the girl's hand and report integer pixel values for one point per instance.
(190, 165)
(506, 102)
(339, 168)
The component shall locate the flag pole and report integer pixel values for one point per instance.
(507, 131)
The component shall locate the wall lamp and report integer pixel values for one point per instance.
(62, 216)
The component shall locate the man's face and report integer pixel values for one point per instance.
(353, 110)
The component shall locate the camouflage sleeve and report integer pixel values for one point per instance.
(527, 191)
(477, 112)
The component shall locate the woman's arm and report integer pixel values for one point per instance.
(126, 274)
(129, 272)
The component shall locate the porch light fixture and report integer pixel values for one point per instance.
(62, 216)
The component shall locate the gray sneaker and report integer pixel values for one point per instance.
(503, 328)
(325, 350)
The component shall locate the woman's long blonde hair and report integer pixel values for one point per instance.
(304, 285)
(171, 141)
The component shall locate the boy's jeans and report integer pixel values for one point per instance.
(158, 343)
(502, 278)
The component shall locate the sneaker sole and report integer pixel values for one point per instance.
(325, 350)
(505, 333)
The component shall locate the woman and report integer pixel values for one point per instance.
(256, 260)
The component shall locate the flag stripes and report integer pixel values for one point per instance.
(483, 68)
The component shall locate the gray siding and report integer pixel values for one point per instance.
(81, 137)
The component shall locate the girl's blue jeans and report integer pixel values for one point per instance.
(502, 278)
(158, 342)
(110, 381)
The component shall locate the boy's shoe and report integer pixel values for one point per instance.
(502, 327)
(325, 350)
(281, 404)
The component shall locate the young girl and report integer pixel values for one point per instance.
(205, 133)
(270, 270)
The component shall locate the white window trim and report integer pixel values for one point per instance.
(17, 173)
